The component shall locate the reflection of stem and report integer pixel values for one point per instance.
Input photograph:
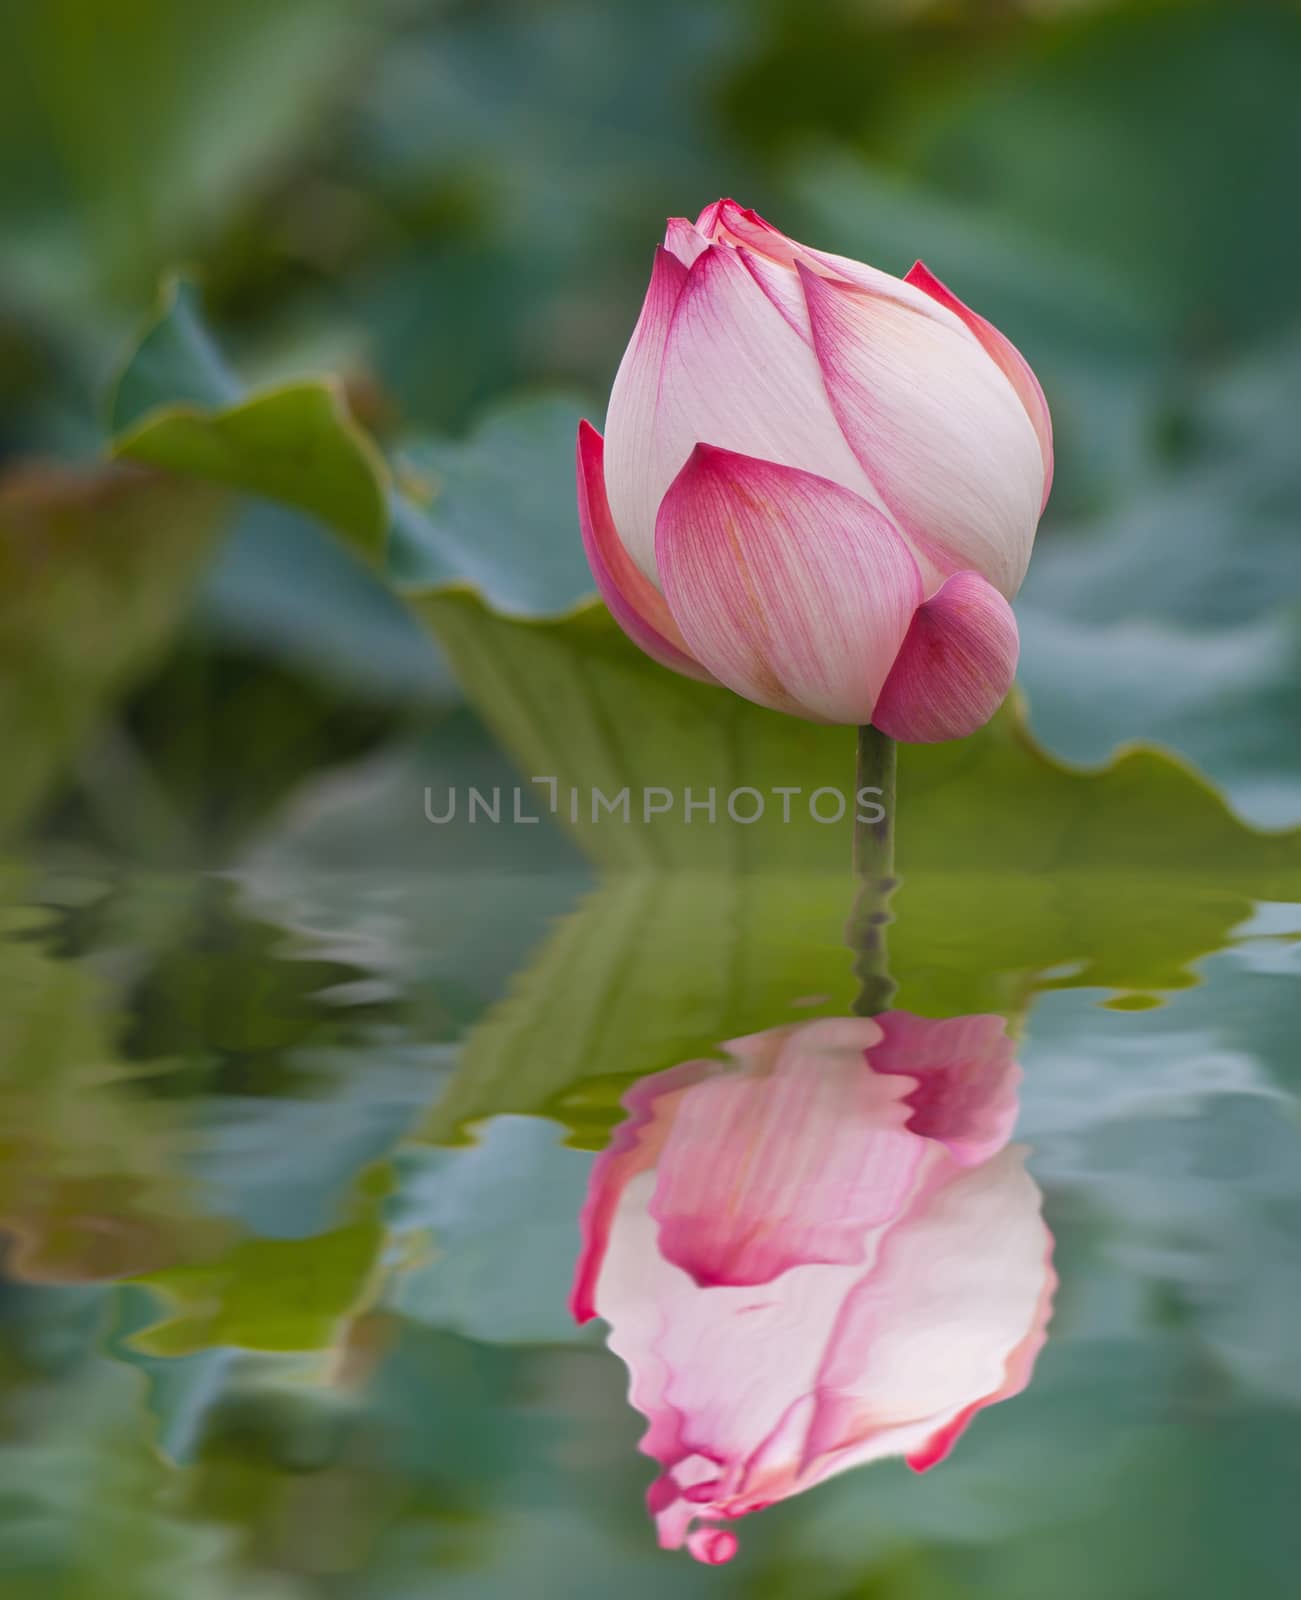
(874, 864)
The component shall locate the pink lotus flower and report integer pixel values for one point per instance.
(818, 1255)
(819, 484)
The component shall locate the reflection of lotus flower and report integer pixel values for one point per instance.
(819, 484)
(820, 1255)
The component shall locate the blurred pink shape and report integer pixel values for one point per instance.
(820, 1253)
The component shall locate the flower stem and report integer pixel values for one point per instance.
(874, 866)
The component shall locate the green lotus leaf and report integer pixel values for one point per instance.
(178, 408)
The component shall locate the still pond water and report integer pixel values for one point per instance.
(996, 1293)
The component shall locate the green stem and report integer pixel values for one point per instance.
(876, 769)
(874, 866)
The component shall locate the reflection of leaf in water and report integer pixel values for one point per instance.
(94, 569)
(222, 999)
(93, 1148)
(274, 1294)
(490, 1232)
(652, 969)
(91, 1512)
(90, 1184)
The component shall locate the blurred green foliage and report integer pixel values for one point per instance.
(440, 202)
(95, 567)
(257, 1337)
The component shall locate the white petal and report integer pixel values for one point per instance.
(735, 374)
(632, 494)
(937, 427)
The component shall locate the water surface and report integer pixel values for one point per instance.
(293, 1166)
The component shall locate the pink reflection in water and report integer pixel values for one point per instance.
(817, 1254)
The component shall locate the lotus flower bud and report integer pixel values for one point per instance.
(819, 1254)
(819, 484)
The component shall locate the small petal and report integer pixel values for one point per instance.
(935, 425)
(713, 1546)
(684, 240)
(791, 590)
(707, 221)
(635, 603)
(1013, 364)
(956, 665)
(634, 496)
(741, 225)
